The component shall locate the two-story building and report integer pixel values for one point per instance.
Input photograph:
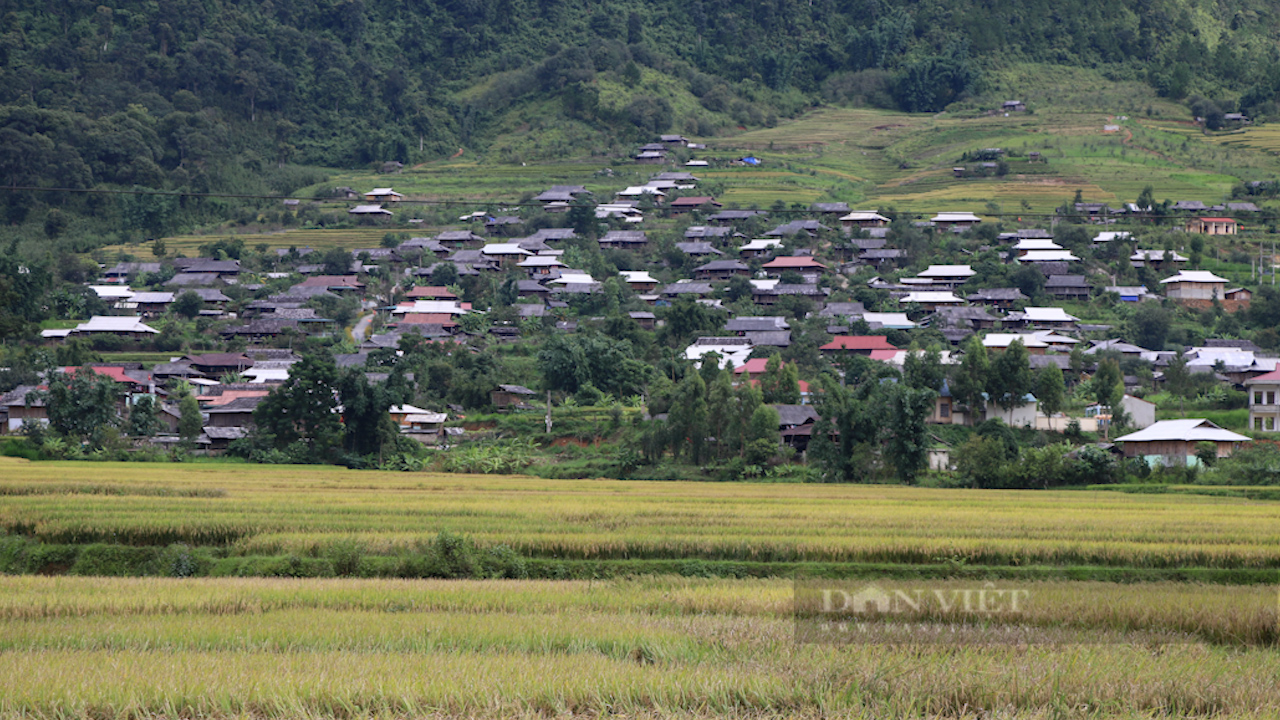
(1264, 401)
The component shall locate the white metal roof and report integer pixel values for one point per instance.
(504, 249)
(579, 278)
(891, 321)
(930, 297)
(1003, 340)
(1037, 244)
(863, 215)
(948, 271)
(1186, 430)
(956, 217)
(112, 292)
(1109, 235)
(102, 323)
(541, 261)
(1048, 256)
(1194, 276)
(1048, 314)
(449, 307)
(761, 244)
(406, 410)
(637, 276)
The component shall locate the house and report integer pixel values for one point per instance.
(729, 216)
(1107, 236)
(765, 294)
(687, 287)
(1047, 256)
(1142, 258)
(881, 256)
(697, 249)
(1067, 287)
(639, 280)
(457, 237)
(1131, 293)
(501, 224)
(430, 292)
(645, 320)
(857, 344)
(835, 208)
(1042, 318)
(707, 232)
(1264, 405)
(383, 195)
(333, 283)
(1002, 298)
(1197, 288)
(219, 363)
(887, 321)
(864, 219)
(508, 396)
(732, 351)
(795, 227)
(721, 270)
(743, 325)
(685, 204)
(125, 327)
(540, 265)
(955, 221)
(760, 247)
(1013, 106)
(795, 424)
(370, 211)
(804, 264)
(624, 240)
(948, 275)
(930, 299)
(1174, 442)
(968, 317)
(1213, 225)
(22, 405)
(150, 304)
(1022, 414)
(505, 253)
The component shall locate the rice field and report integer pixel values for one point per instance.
(264, 510)
(649, 647)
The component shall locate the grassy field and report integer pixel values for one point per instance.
(257, 510)
(650, 647)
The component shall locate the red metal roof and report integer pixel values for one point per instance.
(429, 291)
(1217, 219)
(858, 342)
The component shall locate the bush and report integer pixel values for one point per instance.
(1254, 464)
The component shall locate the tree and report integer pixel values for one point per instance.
(688, 419)
(144, 420)
(924, 369)
(1108, 385)
(81, 404)
(188, 304)
(763, 438)
(1050, 389)
(190, 421)
(908, 438)
(569, 361)
(336, 261)
(969, 382)
(444, 274)
(304, 409)
(1150, 326)
(1010, 378)
(367, 426)
(780, 382)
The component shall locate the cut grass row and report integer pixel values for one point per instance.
(651, 647)
(273, 510)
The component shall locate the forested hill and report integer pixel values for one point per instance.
(216, 95)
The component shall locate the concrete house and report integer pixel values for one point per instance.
(1197, 288)
(1213, 225)
(1264, 401)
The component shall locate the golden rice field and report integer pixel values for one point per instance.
(651, 647)
(256, 509)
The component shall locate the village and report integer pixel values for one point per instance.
(813, 286)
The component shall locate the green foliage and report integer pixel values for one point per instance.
(82, 405)
(188, 304)
(780, 383)
(144, 418)
(303, 410)
(1009, 378)
(1050, 389)
(568, 362)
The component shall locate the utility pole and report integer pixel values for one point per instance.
(548, 412)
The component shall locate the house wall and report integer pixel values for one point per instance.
(1141, 414)
(1171, 452)
(1264, 408)
(1020, 416)
(1195, 291)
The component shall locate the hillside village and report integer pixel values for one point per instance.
(666, 276)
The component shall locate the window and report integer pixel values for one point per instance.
(1271, 397)
(1257, 423)
(1271, 424)
(1257, 397)
(944, 409)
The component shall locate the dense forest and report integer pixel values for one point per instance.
(220, 96)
